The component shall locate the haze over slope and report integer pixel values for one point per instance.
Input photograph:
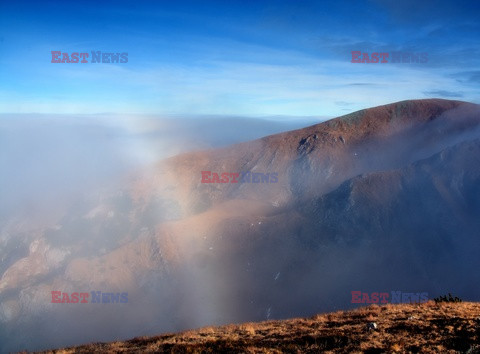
(381, 199)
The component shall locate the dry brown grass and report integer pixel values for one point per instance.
(426, 328)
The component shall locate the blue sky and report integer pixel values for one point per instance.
(249, 58)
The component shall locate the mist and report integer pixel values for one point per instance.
(48, 161)
(59, 177)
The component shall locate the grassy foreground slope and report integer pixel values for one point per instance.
(402, 328)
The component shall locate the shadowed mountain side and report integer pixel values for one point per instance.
(414, 228)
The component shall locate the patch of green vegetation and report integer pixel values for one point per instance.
(353, 118)
(401, 108)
